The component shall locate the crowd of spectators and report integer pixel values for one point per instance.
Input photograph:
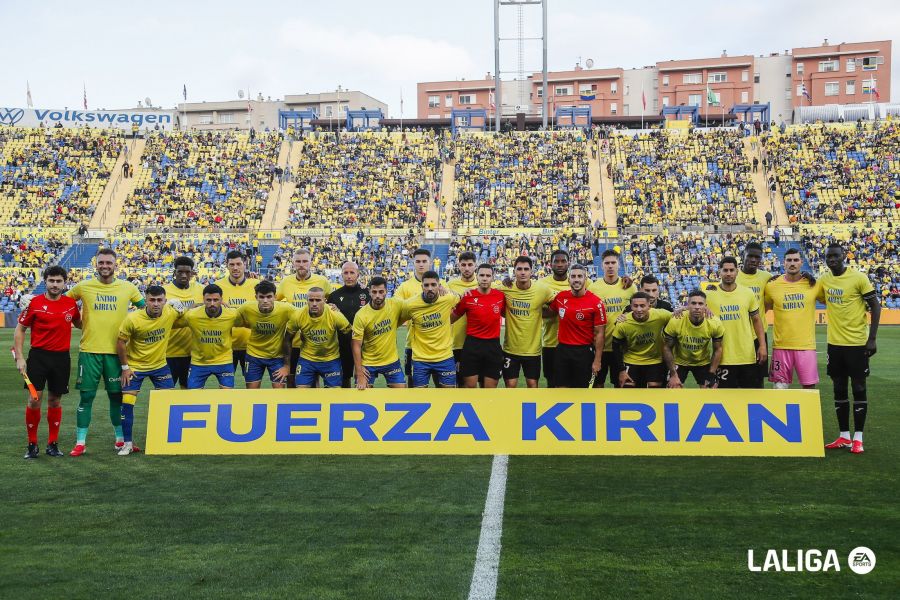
(14, 283)
(501, 251)
(213, 180)
(672, 177)
(54, 177)
(829, 173)
(32, 250)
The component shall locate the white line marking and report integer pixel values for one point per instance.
(487, 559)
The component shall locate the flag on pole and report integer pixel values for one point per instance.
(491, 101)
(28, 95)
(711, 96)
(805, 92)
(249, 106)
(401, 102)
(876, 94)
(643, 98)
(184, 92)
(84, 88)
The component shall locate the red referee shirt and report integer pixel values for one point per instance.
(578, 315)
(483, 313)
(50, 322)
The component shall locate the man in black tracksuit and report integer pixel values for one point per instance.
(349, 299)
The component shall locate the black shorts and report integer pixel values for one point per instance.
(530, 365)
(644, 374)
(548, 358)
(482, 357)
(239, 357)
(738, 376)
(573, 368)
(700, 373)
(763, 368)
(295, 356)
(848, 361)
(607, 368)
(50, 369)
(346, 350)
(179, 366)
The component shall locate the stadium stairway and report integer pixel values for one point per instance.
(605, 188)
(278, 206)
(440, 251)
(448, 193)
(779, 213)
(109, 209)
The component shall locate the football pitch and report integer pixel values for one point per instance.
(408, 527)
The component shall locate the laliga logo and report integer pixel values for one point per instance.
(861, 560)
(11, 116)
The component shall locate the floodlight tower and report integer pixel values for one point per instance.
(520, 39)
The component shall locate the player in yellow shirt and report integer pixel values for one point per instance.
(751, 276)
(638, 344)
(104, 304)
(188, 294)
(294, 289)
(412, 288)
(793, 299)
(466, 281)
(267, 346)
(616, 293)
(429, 323)
(558, 281)
(211, 352)
(847, 293)
(374, 340)
(141, 348)
(319, 326)
(693, 345)
(525, 301)
(237, 289)
(738, 310)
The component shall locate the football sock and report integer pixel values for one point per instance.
(860, 407)
(115, 412)
(127, 420)
(83, 415)
(54, 418)
(32, 420)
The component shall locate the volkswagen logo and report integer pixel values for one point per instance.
(11, 116)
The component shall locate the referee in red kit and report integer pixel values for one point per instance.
(481, 358)
(51, 317)
(582, 325)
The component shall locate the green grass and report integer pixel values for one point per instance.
(407, 527)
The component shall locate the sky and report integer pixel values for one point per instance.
(122, 52)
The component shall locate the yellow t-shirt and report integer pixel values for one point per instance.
(295, 291)
(319, 334)
(235, 296)
(735, 309)
(615, 299)
(410, 288)
(524, 317)
(180, 339)
(377, 330)
(433, 338)
(146, 338)
(460, 287)
(266, 329)
(794, 304)
(551, 324)
(643, 340)
(693, 343)
(212, 335)
(756, 283)
(103, 308)
(845, 308)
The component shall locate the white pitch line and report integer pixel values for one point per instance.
(487, 559)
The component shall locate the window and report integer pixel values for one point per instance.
(692, 78)
(870, 63)
(832, 88)
(787, 94)
(717, 78)
(562, 90)
(467, 99)
(587, 89)
(665, 80)
(655, 105)
(799, 89)
(829, 66)
(799, 68)
(205, 120)
(329, 111)
(434, 101)
(694, 99)
(448, 100)
(756, 77)
(626, 110)
(851, 87)
(665, 102)
(745, 75)
(226, 118)
(745, 97)
(614, 88)
(851, 65)
(541, 92)
(434, 116)
(613, 108)
(627, 90)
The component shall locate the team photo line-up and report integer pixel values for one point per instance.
(302, 333)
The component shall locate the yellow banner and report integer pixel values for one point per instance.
(502, 421)
(511, 231)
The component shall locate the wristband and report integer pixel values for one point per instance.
(126, 368)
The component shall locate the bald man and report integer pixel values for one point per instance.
(349, 298)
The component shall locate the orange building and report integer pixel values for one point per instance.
(600, 89)
(842, 73)
(684, 82)
(435, 99)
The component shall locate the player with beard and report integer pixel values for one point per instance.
(483, 309)
(615, 292)
(558, 281)
(430, 328)
(374, 340)
(466, 281)
(184, 290)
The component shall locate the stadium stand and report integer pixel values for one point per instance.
(32, 250)
(14, 283)
(501, 251)
(671, 177)
(54, 177)
(522, 180)
(202, 181)
(370, 179)
(838, 173)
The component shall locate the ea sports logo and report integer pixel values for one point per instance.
(861, 560)
(11, 116)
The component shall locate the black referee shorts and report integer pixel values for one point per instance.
(482, 357)
(548, 358)
(50, 369)
(847, 361)
(700, 373)
(573, 365)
